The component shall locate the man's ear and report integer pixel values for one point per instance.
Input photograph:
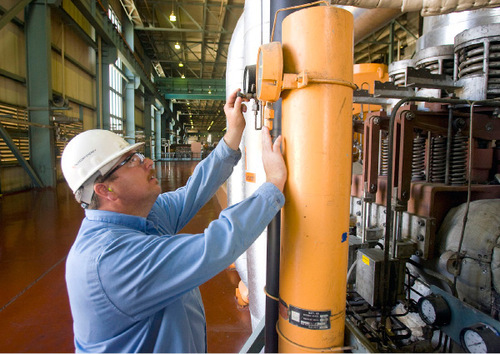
(104, 192)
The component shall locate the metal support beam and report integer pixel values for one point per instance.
(147, 127)
(110, 35)
(9, 15)
(158, 134)
(39, 87)
(109, 56)
(19, 156)
(201, 89)
(130, 87)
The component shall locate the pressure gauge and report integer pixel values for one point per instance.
(480, 338)
(269, 72)
(434, 310)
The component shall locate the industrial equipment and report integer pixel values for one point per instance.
(424, 249)
(421, 270)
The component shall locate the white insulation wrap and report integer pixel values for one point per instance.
(426, 7)
(234, 80)
(257, 32)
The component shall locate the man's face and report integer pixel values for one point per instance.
(135, 181)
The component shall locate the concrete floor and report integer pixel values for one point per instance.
(37, 228)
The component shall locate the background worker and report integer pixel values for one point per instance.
(132, 280)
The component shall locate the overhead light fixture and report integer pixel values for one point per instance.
(172, 17)
(182, 76)
(209, 91)
(177, 45)
(180, 64)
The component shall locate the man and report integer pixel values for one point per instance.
(132, 280)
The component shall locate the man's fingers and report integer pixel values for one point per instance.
(266, 139)
(277, 144)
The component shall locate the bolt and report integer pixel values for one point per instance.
(410, 115)
(358, 213)
(489, 127)
(420, 237)
(421, 222)
(418, 253)
(376, 120)
(358, 202)
(404, 194)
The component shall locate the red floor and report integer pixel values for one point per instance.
(37, 229)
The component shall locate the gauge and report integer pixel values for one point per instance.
(480, 338)
(269, 72)
(434, 310)
(249, 79)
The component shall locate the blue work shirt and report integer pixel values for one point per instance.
(133, 282)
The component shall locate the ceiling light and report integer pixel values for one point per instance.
(209, 91)
(172, 17)
(177, 45)
(182, 76)
(180, 64)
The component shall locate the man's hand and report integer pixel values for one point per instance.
(274, 164)
(235, 122)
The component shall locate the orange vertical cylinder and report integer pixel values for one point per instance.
(317, 132)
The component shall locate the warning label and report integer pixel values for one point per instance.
(250, 177)
(309, 319)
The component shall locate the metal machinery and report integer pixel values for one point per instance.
(421, 269)
(424, 252)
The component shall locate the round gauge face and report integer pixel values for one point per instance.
(428, 311)
(473, 342)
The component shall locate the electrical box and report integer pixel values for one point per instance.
(370, 276)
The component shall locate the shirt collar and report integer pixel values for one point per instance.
(132, 221)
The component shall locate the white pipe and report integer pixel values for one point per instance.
(234, 79)
(257, 32)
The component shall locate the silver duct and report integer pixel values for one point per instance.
(441, 30)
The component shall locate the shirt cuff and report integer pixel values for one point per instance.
(225, 152)
(271, 192)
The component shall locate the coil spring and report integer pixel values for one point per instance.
(384, 156)
(471, 62)
(458, 163)
(399, 79)
(418, 159)
(437, 165)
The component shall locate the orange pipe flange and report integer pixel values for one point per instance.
(317, 132)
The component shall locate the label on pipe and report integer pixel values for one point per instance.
(309, 319)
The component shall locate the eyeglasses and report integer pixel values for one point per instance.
(136, 159)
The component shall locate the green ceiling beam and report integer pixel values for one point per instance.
(192, 89)
(194, 96)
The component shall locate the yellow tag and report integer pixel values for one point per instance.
(366, 260)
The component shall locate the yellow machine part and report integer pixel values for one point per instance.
(317, 132)
(365, 76)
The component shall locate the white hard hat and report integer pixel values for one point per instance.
(89, 155)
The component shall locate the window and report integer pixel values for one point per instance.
(115, 86)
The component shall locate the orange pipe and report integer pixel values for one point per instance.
(317, 132)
